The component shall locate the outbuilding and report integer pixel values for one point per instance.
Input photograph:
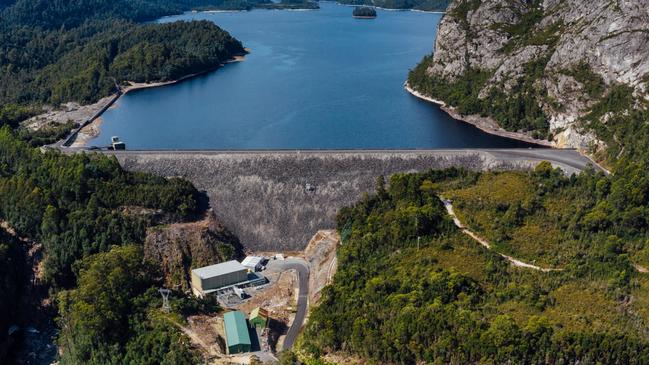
(217, 276)
(254, 263)
(236, 332)
(259, 318)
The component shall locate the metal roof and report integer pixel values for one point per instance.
(251, 261)
(236, 329)
(219, 269)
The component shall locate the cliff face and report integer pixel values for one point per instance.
(177, 248)
(564, 56)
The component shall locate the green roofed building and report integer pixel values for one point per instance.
(258, 318)
(236, 332)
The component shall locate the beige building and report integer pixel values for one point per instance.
(210, 278)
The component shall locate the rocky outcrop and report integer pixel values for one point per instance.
(580, 51)
(177, 248)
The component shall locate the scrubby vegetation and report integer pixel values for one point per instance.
(448, 300)
(516, 111)
(47, 134)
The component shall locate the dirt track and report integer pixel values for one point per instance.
(262, 196)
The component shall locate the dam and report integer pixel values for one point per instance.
(277, 200)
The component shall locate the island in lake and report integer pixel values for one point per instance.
(364, 12)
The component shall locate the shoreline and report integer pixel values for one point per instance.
(89, 130)
(134, 86)
(485, 124)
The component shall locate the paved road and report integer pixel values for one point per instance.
(302, 269)
(569, 159)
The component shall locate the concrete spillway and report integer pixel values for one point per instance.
(276, 200)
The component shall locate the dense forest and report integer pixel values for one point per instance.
(13, 278)
(364, 12)
(83, 64)
(53, 52)
(424, 5)
(113, 316)
(445, 299)
(77, 207)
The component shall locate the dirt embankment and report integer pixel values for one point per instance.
(321, 255)
(177, 248)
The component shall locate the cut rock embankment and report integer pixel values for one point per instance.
(276, 201)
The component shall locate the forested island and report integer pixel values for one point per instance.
(364, 12)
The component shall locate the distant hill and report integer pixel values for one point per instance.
(425, 5)
(53, 14)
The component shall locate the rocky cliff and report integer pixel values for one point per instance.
(177, 248)
(542, 68)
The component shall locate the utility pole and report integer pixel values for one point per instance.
(165, 299)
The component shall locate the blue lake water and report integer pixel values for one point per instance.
(313, 79)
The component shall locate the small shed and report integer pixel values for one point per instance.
(259, 318)
(236, 332)
(252, 262)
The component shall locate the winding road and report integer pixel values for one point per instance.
(302, 269)
(487, 245)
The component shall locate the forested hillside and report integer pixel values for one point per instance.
(114, 317)
(76, 207)
(444, 299)
(57, 51)
(13, 278)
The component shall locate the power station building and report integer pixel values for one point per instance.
(210, 278)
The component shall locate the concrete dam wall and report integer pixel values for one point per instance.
(278, 200)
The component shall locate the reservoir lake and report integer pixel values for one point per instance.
(313, 80)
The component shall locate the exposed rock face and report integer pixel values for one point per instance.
(177, 248)
(608, 38)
